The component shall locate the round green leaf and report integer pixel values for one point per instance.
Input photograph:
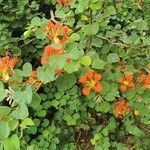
(113, 57)
(4, 130)
(85, 60)
(98, 64)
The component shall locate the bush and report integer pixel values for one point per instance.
(74, 75)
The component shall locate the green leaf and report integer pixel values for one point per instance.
(45, 74)
(13, 124)
(121, 146)
(106, 87)
(4, 111)
(4, 130)
(3, 93)
(82, 6)
(110, 10)
(130, 93)
(40, 34)
(113, 57)
(97, 42)
(96, 6)
(33, 147)
(26, 70)
(55, 103)
(23, 96)
(59, 13)
(134, 130)
(74, 54)
(132, 39)
(65, 82)
(56, 62)
(85, 60)
(36, 21)
(21, 112)
(103, 107)
(140, 24)
(75, 37)
(146, 96)
(27, 122)
(91, 29)
(71, 120)
(98, 64)
(12, 143)
(129, 69)
(83, 17)
(112, 93)
(72, 67)
(21, 4)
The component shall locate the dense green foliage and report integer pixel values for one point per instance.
(55, 109)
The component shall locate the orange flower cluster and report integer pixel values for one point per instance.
(126, 82)
(50, 51)
(6, 67)
(121, 108)
(91, 81)
(34, 80)
(63, 2)
(145, 79)
(57, 33)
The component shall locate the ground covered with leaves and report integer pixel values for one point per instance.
(75, 75)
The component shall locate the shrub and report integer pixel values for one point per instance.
(74, 75)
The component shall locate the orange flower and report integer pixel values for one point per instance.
(34, 74)
(97, 77)
(44, 60)
(59, 72)
(85, 91)
(141, 78)
(63, 2)
(145, 79)
(121, 108)
(98, 88)
(50, 51)
(6, 67)
(128, 77)
(123, 88)
(83, 79)
(90, 74)
(13, 62)
(68, 59)
(126, 82)
(57, 33)
(34, 80)
(90, 82)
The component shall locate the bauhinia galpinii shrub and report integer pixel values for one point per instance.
(75, 75)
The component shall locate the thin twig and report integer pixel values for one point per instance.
(79, 135)
(40, 84)
(114, 43)
(27, 43)
(120, 44)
